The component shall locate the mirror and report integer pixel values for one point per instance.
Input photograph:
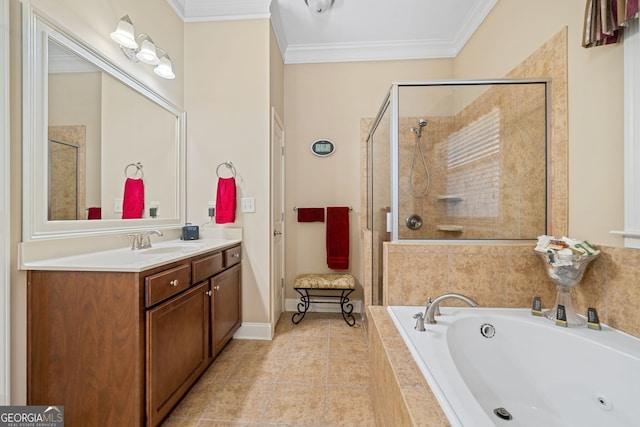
(97, 142)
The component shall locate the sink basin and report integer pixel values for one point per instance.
(173, 249)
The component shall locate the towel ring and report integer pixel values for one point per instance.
(138, 170)
(229, 165)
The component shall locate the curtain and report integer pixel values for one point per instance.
(605, 19)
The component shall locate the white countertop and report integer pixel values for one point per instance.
(128, 260)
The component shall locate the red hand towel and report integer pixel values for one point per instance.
(133, 202)
(94, 213)
(310, 214)
(226, 200)
(338, 238)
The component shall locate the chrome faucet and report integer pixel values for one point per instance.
(433, 307)
(145, 241)
(135, 242)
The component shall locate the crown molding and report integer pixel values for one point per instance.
(379, 51)
(476, 18)
(228, 10)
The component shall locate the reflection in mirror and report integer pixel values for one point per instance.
(89, 121)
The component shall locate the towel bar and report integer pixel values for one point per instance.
(229, 165)
(295, 208)
(138, 167)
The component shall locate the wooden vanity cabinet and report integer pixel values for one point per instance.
(86, 346)
(123, 348)
(177, 349)
(223, 270)
(226, 307)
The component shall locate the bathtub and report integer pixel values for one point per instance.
(485, 365)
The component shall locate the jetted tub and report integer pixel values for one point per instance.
(486, 365)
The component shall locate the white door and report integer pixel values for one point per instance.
(277, 218)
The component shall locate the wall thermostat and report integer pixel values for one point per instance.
(323, 147)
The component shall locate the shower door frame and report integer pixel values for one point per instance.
(394, 128)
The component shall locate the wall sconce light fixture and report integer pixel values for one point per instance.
(142, 48)
(319, 6)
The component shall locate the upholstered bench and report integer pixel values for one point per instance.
(332, 285)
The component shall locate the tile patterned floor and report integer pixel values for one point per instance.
(312, 374)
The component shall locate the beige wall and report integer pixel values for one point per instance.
(92, 21)
(328, 101)
(510, 33)
(227, 95)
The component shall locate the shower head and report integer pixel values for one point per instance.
(418, 130)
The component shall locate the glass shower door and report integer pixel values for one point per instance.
(379, 197)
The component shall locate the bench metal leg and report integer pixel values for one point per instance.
(303, 305)
(346, 307)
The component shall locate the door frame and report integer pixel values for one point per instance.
(275, 257)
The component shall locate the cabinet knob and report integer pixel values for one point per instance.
(209, 293)
(174, 282)
(236, 255)
(216, 287)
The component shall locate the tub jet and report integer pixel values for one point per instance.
(502, 414)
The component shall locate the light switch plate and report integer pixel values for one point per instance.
(248, 204)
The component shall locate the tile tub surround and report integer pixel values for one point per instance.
(399, 392)
(311, 374)
(510, 275)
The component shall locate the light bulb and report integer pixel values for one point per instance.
(124, 34)
(165, 68)
(147, 52)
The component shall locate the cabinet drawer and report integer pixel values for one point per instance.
(232, 256)
(167, 283)
(206, 267)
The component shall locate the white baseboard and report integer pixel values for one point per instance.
(253, 331)
(262, 331)
(292, 305)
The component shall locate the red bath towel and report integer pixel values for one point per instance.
(226, 200)
(94, 213)
(338, 238)
(133, 201)
(310, 214)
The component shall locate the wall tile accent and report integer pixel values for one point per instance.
(510, 276)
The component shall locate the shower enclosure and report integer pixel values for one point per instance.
(457, 160)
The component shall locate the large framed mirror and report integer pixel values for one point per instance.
(96, 141)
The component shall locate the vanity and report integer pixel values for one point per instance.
(118, 337)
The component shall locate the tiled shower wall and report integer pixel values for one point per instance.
(502, 195)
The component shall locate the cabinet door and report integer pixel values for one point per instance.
(226, 305)
(177, 349)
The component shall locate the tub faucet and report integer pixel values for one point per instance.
(434, 306)
(145, 241)
(419, 322)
